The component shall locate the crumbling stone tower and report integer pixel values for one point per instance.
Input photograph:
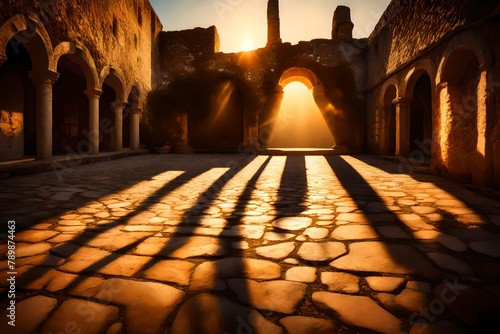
(273, 23)
(342, 25)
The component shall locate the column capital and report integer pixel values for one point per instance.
(402, 100)
(119, 105)
(93, 93)
(442, 85)
(45, 76)
(135, 111)
(278, 93)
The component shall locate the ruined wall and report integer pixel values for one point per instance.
(121, 33)
(183, 51)
(339, 66)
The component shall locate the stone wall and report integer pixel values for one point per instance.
(182, 51)
(337, 76)
(410, 27)
(455, 44)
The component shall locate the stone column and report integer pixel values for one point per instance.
(118, 108)
(44, 80)
(444, 120)
(402, 126)
(135, 118)
(273, 22)
(182, 145)
(482, 165)
(342, 25)
(93, 96)
(251, 131)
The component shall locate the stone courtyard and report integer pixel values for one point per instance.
(250, 244)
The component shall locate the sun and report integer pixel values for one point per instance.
(247, 45)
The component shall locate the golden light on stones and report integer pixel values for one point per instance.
(11, 125)
(318, 171)
(300, 123)
(200, 183)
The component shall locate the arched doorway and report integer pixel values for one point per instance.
(300, 123)
(294, 116)
(421, 117)
(462, 75)
(26, 82)
(389, 121)
(17, 105)
(70, 108)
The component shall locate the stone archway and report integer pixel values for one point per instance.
(111, 111)
(463, 85)
(70, 110)
(415, 136)
(77, 93)
(300, 74)
(26, 101)
(30, 34)
(464, 91)
(268, 117)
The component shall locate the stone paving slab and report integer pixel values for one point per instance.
(81, 316)
(206, 313)
(358, 311)
(30, 315)
(240, 243)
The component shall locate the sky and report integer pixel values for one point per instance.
(242, 24)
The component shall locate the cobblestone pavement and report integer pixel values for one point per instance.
(240, 244)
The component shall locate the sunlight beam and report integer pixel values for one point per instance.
(300, 123)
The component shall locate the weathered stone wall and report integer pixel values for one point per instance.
(455, 43)
(120, 33)
(409, 27)
(489, 32)
(182, 51)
